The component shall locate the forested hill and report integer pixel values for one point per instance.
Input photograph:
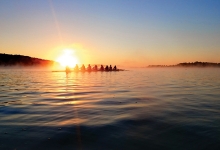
(20, 60)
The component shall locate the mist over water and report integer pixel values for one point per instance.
(163, 108)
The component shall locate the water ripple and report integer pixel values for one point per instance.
(141, 109)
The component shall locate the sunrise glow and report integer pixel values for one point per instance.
(67, 58)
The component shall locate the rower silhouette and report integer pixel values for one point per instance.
(110, 68)
(102, 68)
(106, 68)
(68, 69)
(76, 68)
(89, 68)
(95, 68)
(115, 68)
(83, 68)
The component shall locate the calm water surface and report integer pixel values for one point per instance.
(163, 108)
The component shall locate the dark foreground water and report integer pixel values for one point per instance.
(137, 109)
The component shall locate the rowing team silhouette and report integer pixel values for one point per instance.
(94, 68)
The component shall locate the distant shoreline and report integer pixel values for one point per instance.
(16, 61)
(189, 64)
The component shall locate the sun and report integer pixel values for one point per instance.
(67, 58)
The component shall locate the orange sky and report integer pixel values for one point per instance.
(131, 34)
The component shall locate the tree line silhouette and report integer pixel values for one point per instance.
(20, 60)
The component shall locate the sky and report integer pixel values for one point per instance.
(123, 32)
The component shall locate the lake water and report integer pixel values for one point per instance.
(157, 108)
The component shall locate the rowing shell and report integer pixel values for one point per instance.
(88, 70)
